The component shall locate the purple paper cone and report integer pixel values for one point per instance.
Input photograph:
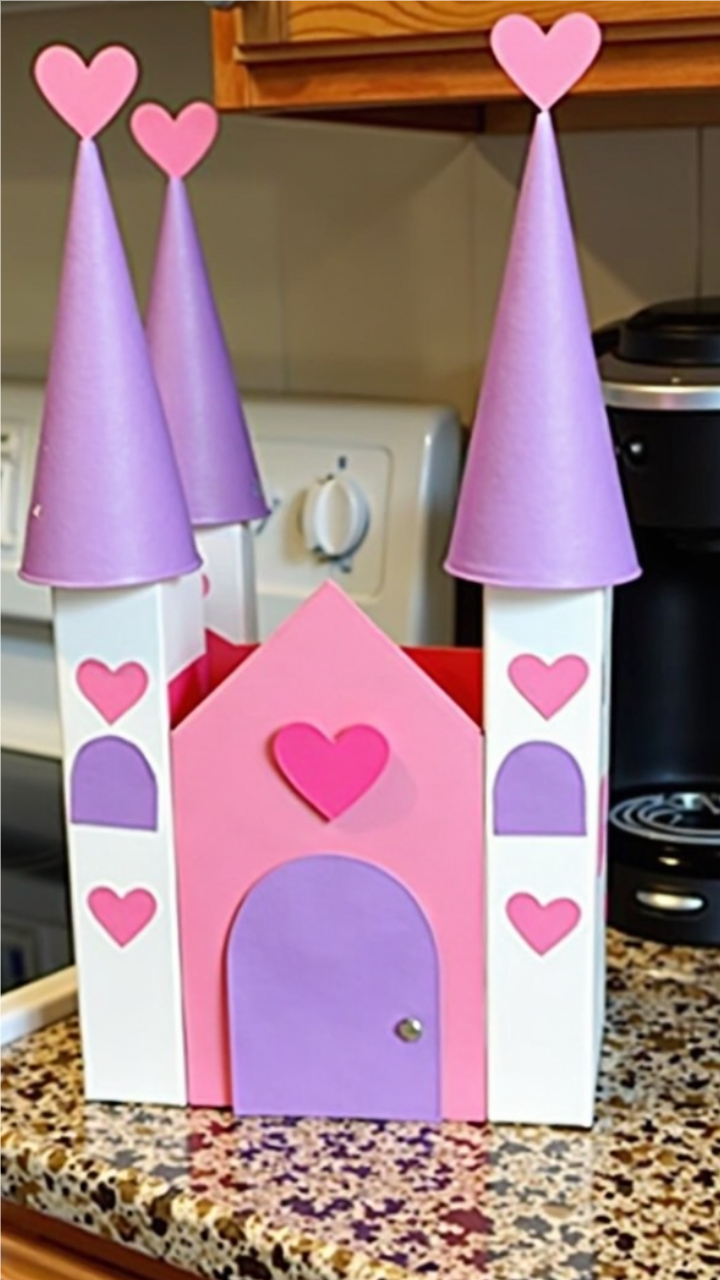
(195, 376)
(541, 505)
(108, 509)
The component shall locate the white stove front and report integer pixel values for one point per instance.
(362, 492)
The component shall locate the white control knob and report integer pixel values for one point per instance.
(335, 517)
(8, 485)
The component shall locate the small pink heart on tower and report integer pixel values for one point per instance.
(123, 917)
(545, 65)
(330, 773)
(175, 143)
(542, 926)
(86, 95)
(112, 693)
(548, 686)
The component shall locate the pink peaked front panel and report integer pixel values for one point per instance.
(237, 819)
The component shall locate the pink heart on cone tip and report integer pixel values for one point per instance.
(548, 686)
(545, 65)
(124, 916)
(330, 773)
(86, 95)
(178, 143)
(112, 693)
(542, 926)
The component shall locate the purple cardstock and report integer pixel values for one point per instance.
(326, 958)
(108, 508)
(112, 785)
(541, 505)
(539, 791)
(196, 377)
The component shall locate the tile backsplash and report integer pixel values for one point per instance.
(346, 260)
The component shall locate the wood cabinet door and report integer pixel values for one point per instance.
(36, 1247)
(349, 57)
(298, 23)
(29, 1259)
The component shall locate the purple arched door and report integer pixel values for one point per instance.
(332, 979)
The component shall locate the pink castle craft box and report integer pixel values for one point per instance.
(314, 877)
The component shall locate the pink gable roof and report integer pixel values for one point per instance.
(237, 818)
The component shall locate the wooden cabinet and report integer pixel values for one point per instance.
(35, 1247)
(309, 22)
(428, 61)
(25, 1258)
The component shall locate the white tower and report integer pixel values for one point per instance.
(109, 530)
(542, 524)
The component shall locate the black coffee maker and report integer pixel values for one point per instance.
(661, 380)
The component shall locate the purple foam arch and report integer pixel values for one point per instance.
(326, 957)
(113, 785)
(539, 791)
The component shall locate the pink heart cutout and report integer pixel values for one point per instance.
(122, 916)
(548, 686)
(175, 143)
(542, 927)
(86, 95)
(545, 65)
(330, 773)
(112, 693)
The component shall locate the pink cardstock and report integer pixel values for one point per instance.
(123, 917)
(545, 65)
(236, 820)
(112, 692)
(178, 143)
(86, 95)
(548, 686)
(542, 926)
(330, 773)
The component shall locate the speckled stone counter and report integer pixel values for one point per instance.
(639, 1196)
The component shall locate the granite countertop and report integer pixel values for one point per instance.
(639, 1196)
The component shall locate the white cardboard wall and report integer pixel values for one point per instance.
(129, 993)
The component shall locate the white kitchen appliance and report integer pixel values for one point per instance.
(362, 492)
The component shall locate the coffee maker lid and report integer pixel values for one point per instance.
(666, 357)
(683, 332)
